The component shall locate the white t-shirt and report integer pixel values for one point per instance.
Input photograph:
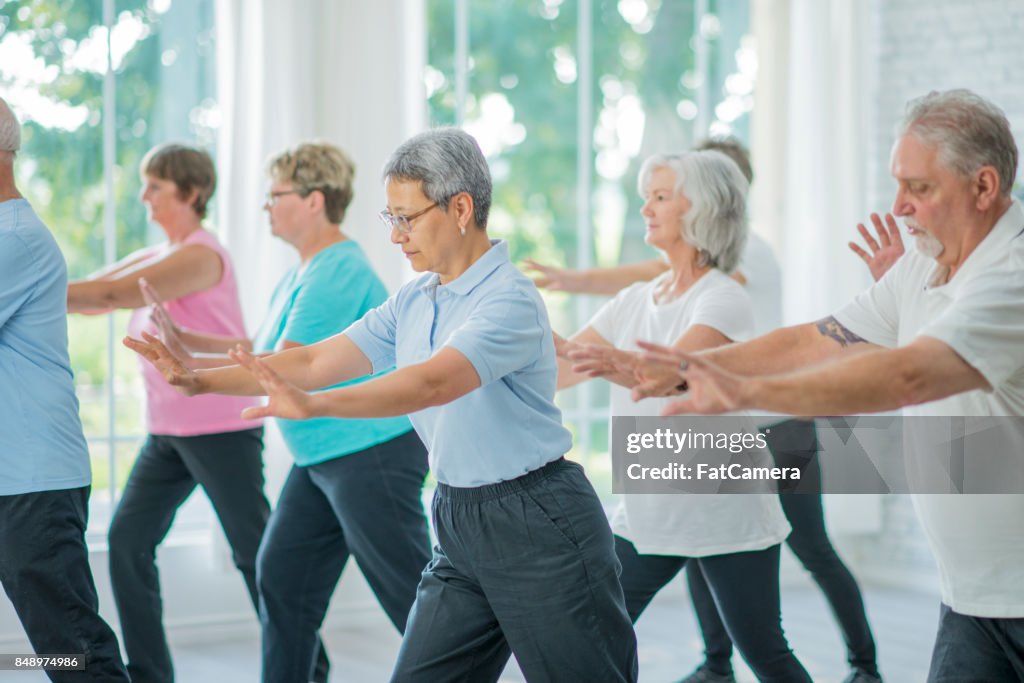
(978, 540)
(681, 524)
(760, 269)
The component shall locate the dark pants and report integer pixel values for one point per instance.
(44, 569)
(229, 468)
(746, 593)
(524, 567)
(794, 444)
(977, 649)
(367, 505)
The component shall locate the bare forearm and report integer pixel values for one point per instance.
(611, 280)
(307, 367)
(401, 392)
(203, 342)
(873, 381)
(783, 350)
(102, 295)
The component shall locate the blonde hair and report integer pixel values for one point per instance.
(190, 168)
(317, 166)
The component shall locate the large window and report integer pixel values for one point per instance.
(567, 99)
(96, 84)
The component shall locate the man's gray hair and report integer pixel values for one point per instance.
(10, 129)
(968, 131)
(446, 161)
(716, 224)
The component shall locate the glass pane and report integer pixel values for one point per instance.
(648, 79)
(165, 75)
(51, 68)
(53, 58)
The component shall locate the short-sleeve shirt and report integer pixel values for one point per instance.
(493, 315)
(43, 448)
(336, 288)
(978, 540)
(681, 524)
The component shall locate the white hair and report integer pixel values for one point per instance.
(968, 131)
(716, 224)
(10, 130)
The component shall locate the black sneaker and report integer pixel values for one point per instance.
(861, 676)
(706, 675)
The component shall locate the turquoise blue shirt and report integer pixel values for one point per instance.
(309, 305)
(41, 443)
(493, 315)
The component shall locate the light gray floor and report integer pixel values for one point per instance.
(363, 648)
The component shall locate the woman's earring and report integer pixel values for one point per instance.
(462, 229)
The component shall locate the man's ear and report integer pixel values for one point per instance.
(985, 187)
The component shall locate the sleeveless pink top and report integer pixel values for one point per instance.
(215, 310)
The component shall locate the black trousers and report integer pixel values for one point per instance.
(794, 443)
(366, 505)
(229, 468)
(44, 568)
(746, 594)
(523, 567)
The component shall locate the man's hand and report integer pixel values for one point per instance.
(598, 360)
(554, 278)
(886, 251)
(710, 389)
(173, 370)
(286, 400)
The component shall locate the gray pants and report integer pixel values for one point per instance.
(986, 650)
(525, 567)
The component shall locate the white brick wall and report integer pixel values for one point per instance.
(924, 45)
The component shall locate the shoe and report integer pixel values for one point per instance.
(861, 676)
(706, 675)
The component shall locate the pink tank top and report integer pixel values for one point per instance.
(215, 310)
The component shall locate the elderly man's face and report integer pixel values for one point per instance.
(936, 202)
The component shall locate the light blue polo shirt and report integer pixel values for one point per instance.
(493, 315)
(335, 289)
(41, 443)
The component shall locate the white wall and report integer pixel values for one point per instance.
(918, 47)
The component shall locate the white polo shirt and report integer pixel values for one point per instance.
(977, 540)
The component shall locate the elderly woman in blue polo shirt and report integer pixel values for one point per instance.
(524, 562)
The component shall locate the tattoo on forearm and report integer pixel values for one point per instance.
(832, 328)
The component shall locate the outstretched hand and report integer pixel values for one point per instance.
(554, 278)
(710, 389)
(886, 251)
(170, 333)
(600, 360)
(285, 399)
(173, 370)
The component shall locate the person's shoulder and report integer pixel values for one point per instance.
(717, 281)
(345, 260)
(25, 234)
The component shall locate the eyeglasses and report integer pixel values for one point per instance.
(272, 197)
(402, 224)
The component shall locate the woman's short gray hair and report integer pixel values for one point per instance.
(446, 161)
(968, 131)
(10, 129)
(716, 224)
